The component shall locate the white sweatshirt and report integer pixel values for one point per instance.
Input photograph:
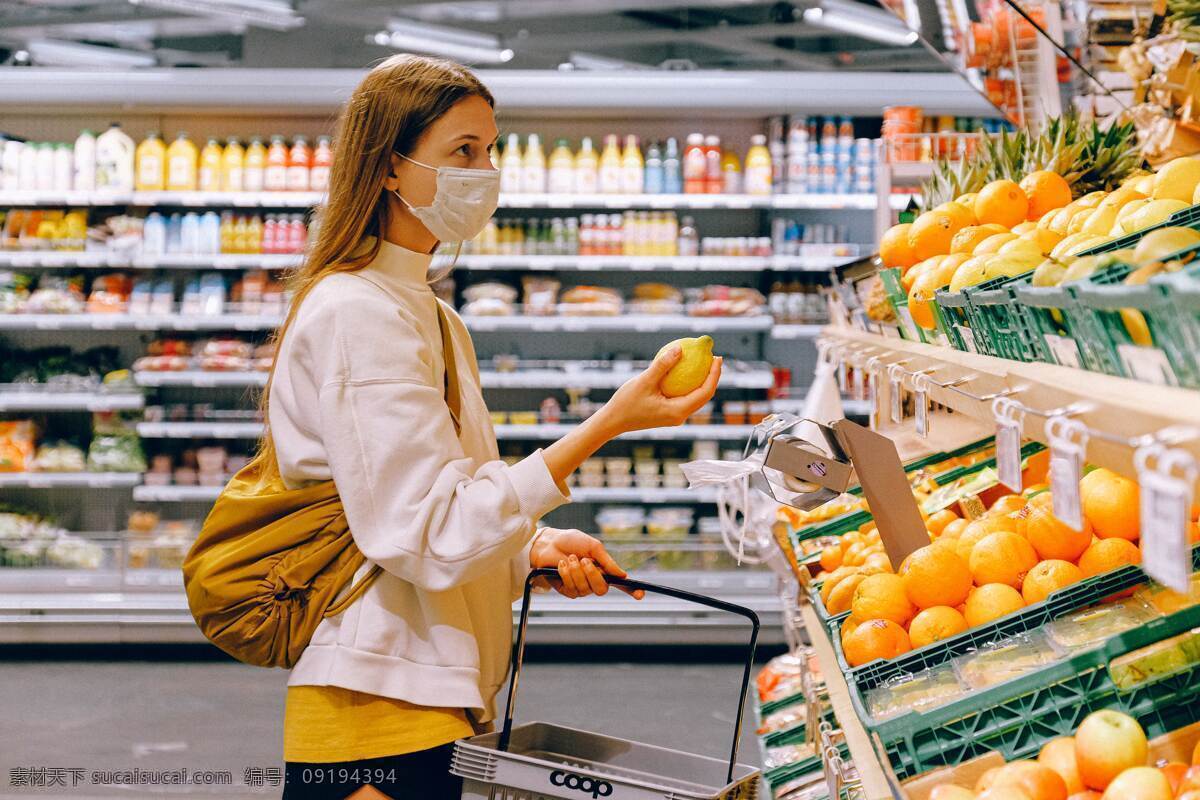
(358, 396)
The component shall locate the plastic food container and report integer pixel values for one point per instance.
(621, 521)
(647, 466)
(1168, 601)
(646, 481)
(920, 691)
(670, 522)
(1004, 660)
(1156, 661)
(592, 466)
(674, 482)
(591, 481)
(757, 412)
(619, 481)
(735, 412)
(1090, 626)
(211, 459)
(643, 452)
(618, 466)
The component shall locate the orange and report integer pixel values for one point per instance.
(1059, 755)
(987, 779)
(920, 299)
(935, 623)
(909, 276)
(882, 597)
(992, 601)
(1107, 555)
(855, 555)
(1002, 202)
(879, 562)
(975, 530)
(930, 235)
(938, 521)
(843, 593)
(963, 215)
(1111, 504)
(954, 529)
(1002, 557)
(935, 576)
(894, 249)
(831, 581)
(1007, 504)
(948, 791)
(875, 638)
(1039, 782)
(1046, 191)
(831, 557)
(1050, 536)
(1007, 792)
(848, 625)
(1048, 576)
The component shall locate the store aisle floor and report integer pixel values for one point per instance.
(108, 716)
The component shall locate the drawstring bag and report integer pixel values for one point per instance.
(271, 562)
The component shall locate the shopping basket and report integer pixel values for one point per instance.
(542, 761)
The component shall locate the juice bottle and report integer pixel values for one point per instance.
(45, 167)
(561, 177)
(226, 232)
(151, 155)
(672, 171)
(759, 171)
(254, 166)
(240, 231)
(731, 173)
(298, 165)
(846, 135)
(181, 165)
(114, 160)
(587, 168)
(652, 182)
(714, 183)
(633, 168)
(511, 165)
(610, 166)
(233, 166)
(322, 160)
(85, 163)
(695, 166)
(270, 236)
(64, 167)
(275, 171)
(254, 234)
(210, 167)
(533, 167)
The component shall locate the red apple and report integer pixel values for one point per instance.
(1139, 783)
(1059, 755)
(1037, 781)
(948, 791)
(1106, 744)
(1174, 772)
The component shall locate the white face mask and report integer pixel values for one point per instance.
(463, 203)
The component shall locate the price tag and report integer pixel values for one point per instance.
(857, 389)
(1068, 447)
(907, 323)
(1063, 350)
(1008, 442)
(1167, 478)
(896, 394)
(1148, 364)
(921, 403)
(968, 338)
(841, 376)
(873, 393)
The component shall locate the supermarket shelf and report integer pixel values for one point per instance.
(641, 323)
(899, 202)
(110, 322)
(199, 430)
(796, 331)
(69, 480)
(685, 433)
(595, 379)
(200, 378)
(1124, 410)
(654, 263)
(208, 494)
(911, 171)
(218, 261)
(796, 406)
(26, 259)
(176, 494)
(142, 606)
(46, 399)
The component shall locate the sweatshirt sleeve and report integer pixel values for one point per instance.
(414, 501)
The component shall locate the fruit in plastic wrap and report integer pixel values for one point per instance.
(920, 691)
(784, 718)
(787, 754)
(1004, 660)
(1168, 601)
(1155, 661)
(1090, 626)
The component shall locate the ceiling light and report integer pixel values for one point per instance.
(885, 31)
(56, 53)
(274, 16)
(468, 46)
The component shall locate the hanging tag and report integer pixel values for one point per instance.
(1008, 442)
(843, 386)
(858, 390)
(922, 409)
(1166, 478)
(896, 394)
(1068, 445)
(873, 398)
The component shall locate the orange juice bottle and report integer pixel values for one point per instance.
(275, 172)
(299, 163)
(210, 167)
(633, 167)
(610, 166)
(182, 165)
(758, 166)
(151, 159)
(232, 166)
(254, 166)
(254, 233)
(322, 160)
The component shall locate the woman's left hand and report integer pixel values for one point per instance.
(580, 559)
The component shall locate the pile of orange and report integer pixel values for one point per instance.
(976, 571)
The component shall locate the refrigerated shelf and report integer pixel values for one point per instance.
(19, 397)
(252, 430)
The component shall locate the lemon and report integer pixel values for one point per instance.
(1044, 239)
(1157, 245)
(1144, 184)
(1066, 244)
(1021, 247)
(1091, 200)
(970, 272)
(1024, 227)
(1048, 273)
(1079, 219)
(1121, 196)
(1125, 215)
(1100, 222)
(1060, 219)
(692, 370)
(1081, 268)
(1155, 212)
(1010, 265)
(993, 243)
(1177, 179)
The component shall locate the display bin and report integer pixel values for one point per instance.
(1184, 291)
(1086, 593)
(996, 314)
(891, 279)
(1057, 325)
(1017, 717)
(778, 776)
(1187, 218)
(1103, 309)
(953, 320)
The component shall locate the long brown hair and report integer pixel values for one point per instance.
(388, 112)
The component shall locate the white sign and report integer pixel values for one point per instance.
(1166, 478)
(1063, 350)
(1148, 364)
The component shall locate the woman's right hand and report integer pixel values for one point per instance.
(640, 404)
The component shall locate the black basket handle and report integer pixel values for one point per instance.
(633, 585)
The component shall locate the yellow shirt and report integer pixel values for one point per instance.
(328, 724)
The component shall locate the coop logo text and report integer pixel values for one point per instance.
(581, 783)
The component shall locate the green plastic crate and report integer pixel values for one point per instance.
(1165, 361)
(1017, 717)
(996, 313)
(954, 320)
(1184, 292)
(780, 775)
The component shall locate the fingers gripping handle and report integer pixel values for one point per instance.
(518, 653)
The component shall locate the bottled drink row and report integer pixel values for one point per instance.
(112, 162)
(194, 234)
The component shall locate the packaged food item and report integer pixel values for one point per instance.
(56, 295)
(17, 445)
(59, 457)
(779, 677)
(783, 719)
(592, 466)
(787, 754)
(523, 417)
(1168, 601)
(1091, 626)
(735, 412)
(619, 480)
(110, 294)
(540, 295)
(617, 522)
(550, 412)
(590, 301)
(490, 299)
(499, 417)
(1004, 660)
(919, 691)
(670, 522)
(618, 465)
(724, 301)
(1156, 661)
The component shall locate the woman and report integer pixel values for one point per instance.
(359, 394)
